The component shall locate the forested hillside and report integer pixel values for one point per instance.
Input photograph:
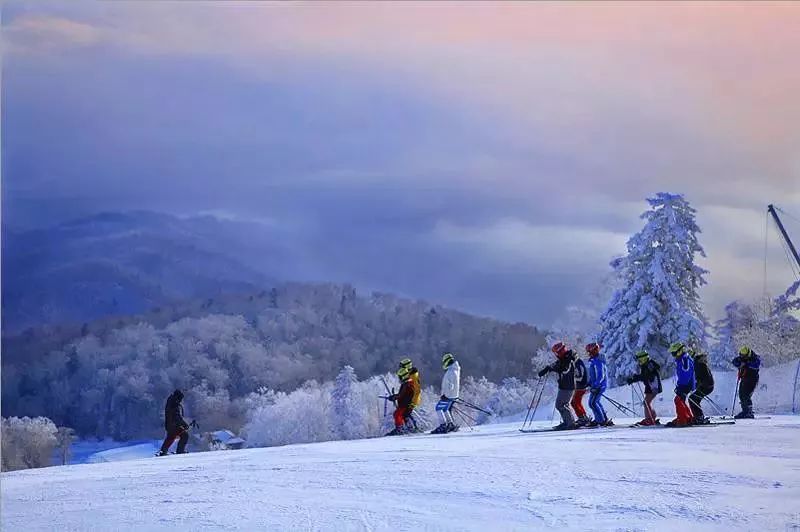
(110, 377)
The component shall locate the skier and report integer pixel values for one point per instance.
(451, 385)
(598, 380)
(565, 368)
(174, 424)
(684, 385)
(749, 364)
(649, 375)
(705, 385)
(581, 385)
(403, 398)
(413, 372)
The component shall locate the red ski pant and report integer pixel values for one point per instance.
(577, 403)
(649, 411)
(682, 410)
(400, 416)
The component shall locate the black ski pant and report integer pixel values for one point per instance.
(746, 389)
(181, 435)
(695, 399)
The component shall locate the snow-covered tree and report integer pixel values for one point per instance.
(658, 302)
(27, 442)
(347, 411)
(768, 328)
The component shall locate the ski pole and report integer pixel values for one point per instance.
(472, 406)
(735, 392)
(537, 396)
(464, 414)
(719, 410)
(535, 400)
(463, 419)
(618, 405)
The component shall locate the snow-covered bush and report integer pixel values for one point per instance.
(658, 302)
(27, 442)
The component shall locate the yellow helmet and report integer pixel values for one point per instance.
(447, 360)
(402, 373)
(406, 363)
(745, 351)
(677, 349)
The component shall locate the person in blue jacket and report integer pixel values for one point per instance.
(685, 384)
(749, 364)
(598, 381)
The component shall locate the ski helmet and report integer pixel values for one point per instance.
(447, 360)
(677, 349)
(403, 373)
(406, 363)
(745, 351)
(593, 349)
(560, 349)
(642, 356)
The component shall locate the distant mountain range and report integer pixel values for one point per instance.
(121, 264)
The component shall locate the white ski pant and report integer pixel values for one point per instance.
(444, 407)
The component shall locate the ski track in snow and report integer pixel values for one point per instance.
(744, 477)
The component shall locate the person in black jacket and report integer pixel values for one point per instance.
(174, 424)
(749, 364)
(650, 377)
(565, 367)
(705, 385)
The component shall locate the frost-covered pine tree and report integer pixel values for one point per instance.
(738, 316)
(658, 302)
(348, 419)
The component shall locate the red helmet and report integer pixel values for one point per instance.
(560, 349)
(593, 349)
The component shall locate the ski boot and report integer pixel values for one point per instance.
(678, 423)
(607, 423)
(701, 420)
(397, 431)
(592, 424)
(565, 426)
(441, 429)
(161, 453)
(744, 414)
(583, 421)
(451, 427)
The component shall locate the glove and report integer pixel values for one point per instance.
(393, 397)
(543, 372)
(444, 398)
(595, 391)
(194, 424)
(629, 380)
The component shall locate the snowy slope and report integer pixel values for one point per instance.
(744, 477)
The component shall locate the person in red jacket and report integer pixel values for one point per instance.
(404, 399)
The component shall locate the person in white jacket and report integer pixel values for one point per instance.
(451, 386)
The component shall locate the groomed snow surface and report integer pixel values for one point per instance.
(744, 477)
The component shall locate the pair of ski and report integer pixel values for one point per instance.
(583, 428)
(634, 426)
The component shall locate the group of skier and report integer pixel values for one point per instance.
(408, 396)
(693, 383)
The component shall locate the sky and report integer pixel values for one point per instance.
(489, 156)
